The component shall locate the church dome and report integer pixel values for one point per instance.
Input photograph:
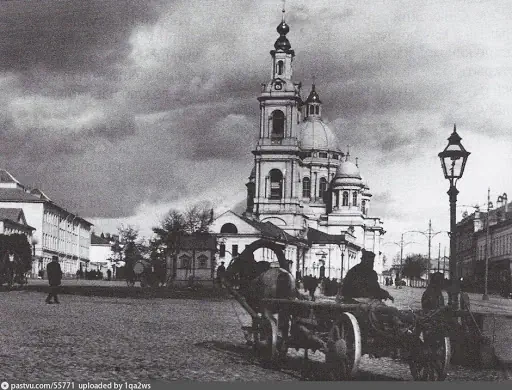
(347, 173)
(347, 169)
(316, 135)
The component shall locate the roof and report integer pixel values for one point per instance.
(97, 240)
(18, 195)
(12, 214)
(269, 230)
(316, 135)
(6, 177)
(318, 237)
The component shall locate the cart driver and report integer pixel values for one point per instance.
(361, 284)
(361, 280)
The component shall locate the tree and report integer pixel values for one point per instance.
(414, 266)
(195, 219)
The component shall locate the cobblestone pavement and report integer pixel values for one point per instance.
(92, 338)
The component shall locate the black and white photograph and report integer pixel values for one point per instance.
(254, 191)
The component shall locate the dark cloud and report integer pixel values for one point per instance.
(68, 36)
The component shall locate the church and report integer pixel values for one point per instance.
(304, 191)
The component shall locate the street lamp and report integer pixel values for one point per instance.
(453, 161)
(342, 249)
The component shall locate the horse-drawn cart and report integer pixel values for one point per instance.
(343, 332)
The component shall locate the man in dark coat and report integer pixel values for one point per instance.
(362, 281)
(54, 273)
(221, 271)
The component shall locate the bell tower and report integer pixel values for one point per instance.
(277, 151)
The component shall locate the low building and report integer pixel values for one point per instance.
(195, 260)
(101, 255)
(58, 232)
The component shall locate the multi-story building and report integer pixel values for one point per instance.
(486, 236)
(57, 231)
(302, 182)
(101, 255)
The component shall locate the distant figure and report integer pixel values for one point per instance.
(433, 298)
(54, 273)
(221, 271)
(109, 275)
(322, 272)
(77, 274)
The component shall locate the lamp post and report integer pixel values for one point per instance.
(453, 161)
(342, 249)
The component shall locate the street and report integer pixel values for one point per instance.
(93, 338)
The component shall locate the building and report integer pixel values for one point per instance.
(195, 260)
(57, 231)
(12, 221)
(486, 235)
(302, 182)
(101, 255)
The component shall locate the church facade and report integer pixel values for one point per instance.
(303, 182)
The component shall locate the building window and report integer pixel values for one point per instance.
(277, 124)
(317, 110)
(276, 184)
(345, 198)
(322, 155)
(354, 198)
(306, 187)
(363, 207)
(280, 66)
(185, 261)
(202, 261)
(335, 156)
(234, 250)
(222, 250)
(323, 187)
(229, 228)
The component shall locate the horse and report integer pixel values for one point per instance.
(257, 280)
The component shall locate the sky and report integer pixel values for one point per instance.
(122, 110)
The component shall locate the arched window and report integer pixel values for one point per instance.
(228, 228)
(354, 198)
(276, 184)
(277, 124)
(203, 261)
(280, 67)
(323, 187)
(185, 261)
(363, 207)
(306, 187)
(345, 198)
(317, 110)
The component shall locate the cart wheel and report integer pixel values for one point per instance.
(265, 340)
(431, 360)
(344, 348)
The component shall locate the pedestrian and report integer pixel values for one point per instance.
(109, 275)
(221, 271)
(77, 274)
(433, 298)
(54, 273)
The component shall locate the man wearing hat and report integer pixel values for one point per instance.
(54, 273)
(362, 281)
